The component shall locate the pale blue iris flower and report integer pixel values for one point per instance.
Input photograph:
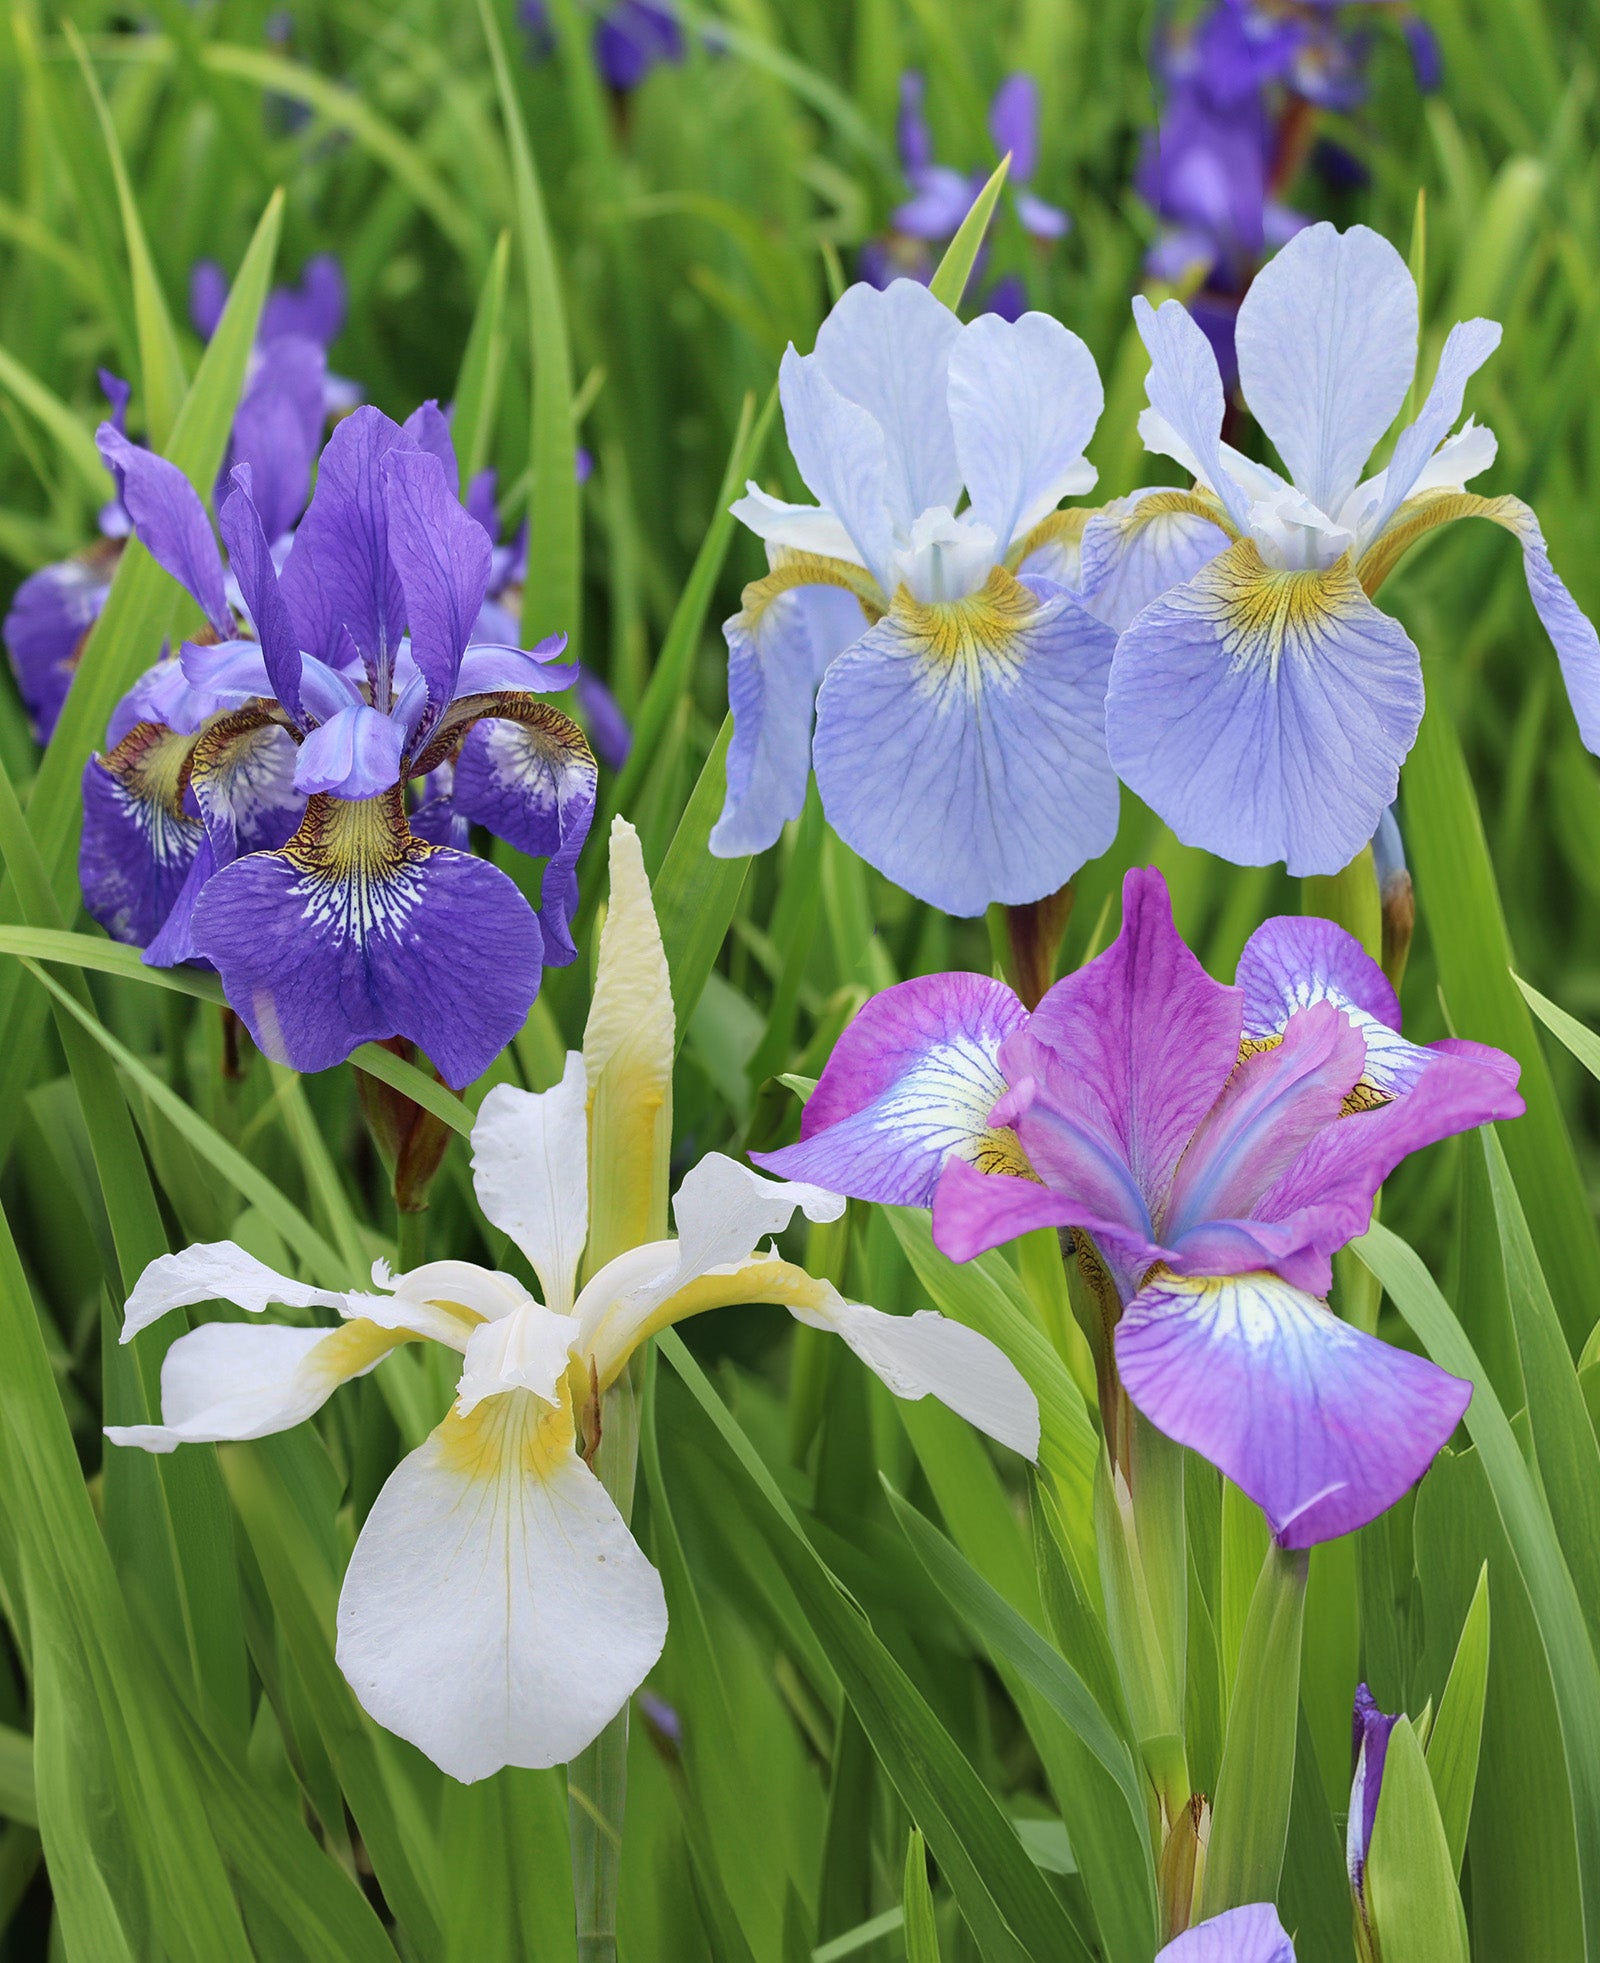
(1262, 705)
(958, 697)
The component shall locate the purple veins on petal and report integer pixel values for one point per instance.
(912, 1080)
(138, 837)
(357, 930)
(171, 521)
(1252, 1934)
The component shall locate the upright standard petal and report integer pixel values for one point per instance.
(496, 1610)
(170, 520)
(960, 745)
(889, 350)
(530, 1170)
(1322, 1425)
(1185, 390)
(138, 840)
(841, 453)
(1327, 340)
(1252, 1934)
(1291, 961)
(1264, 714)
(1470, 345)
(1127, 1056)
(250, 561)
(357, 931)
(780, 645)
(226, 1380)
(443, 555)
(526, 772)
(1024, 400)
(911, 1081)
(340, 577)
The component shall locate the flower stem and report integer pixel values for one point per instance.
(411, 1236)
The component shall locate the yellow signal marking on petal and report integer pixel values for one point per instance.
(998, 1149)
(791, 568)
(765, 1278)
(553, 738)
(1421, 515)
(350, 853)
(355, 1346)
(1263, 611)
(969, 642)
(513, 1431)
(1063, 528)
(150, 768)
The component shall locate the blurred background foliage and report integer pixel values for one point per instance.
(701, 222)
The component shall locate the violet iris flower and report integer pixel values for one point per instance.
(631, 38)
(959, 698)
(251, 810)
(1214, 1147)
(1369, 1747)
(1252, 1934)
(314, 310)
(1263, 706)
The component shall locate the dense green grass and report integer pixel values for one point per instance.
(868, 1613)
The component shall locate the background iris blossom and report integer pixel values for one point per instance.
(1215, 1145)
(295, 871)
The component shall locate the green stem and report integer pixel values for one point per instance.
(411, 1237)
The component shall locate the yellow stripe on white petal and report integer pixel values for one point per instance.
(530, 1169)
(229, 1380)
(496, 1610)
(628, 1048)
(928, 1355)
(214, 1271)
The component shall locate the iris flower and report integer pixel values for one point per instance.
(1252, 1934)
(1369, 1744)
(959, 740)
(1212, 1147)
(1263, 706)
(496, 1610)
(631, 38)
(254, 813)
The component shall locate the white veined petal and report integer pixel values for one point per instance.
(228, 1380)
(801, 527)
(1025, 396)
(530, 1169)
(526, 1351)
(496, 1610)
(842, 455)
(1327, 340)
(888, 351)
(928, 1355)
(215, 1271)
(1470, 345)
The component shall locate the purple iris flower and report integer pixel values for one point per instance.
(941, 197)
(631, 37)
(498, 622)
(1252, 1934)
(1215, 1146)
(251, 808)
(314, 310)
(1369, 1747)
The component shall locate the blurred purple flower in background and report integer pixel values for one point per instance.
(631, 38)
(1241, 89)
(941, 197)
